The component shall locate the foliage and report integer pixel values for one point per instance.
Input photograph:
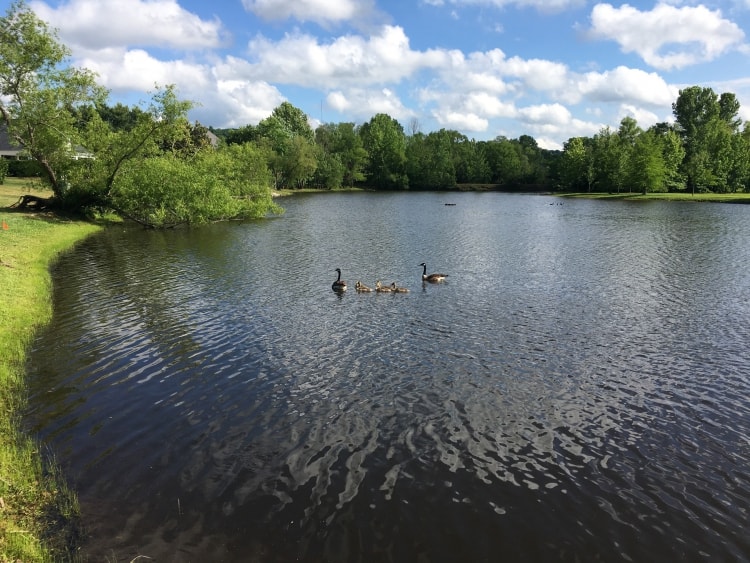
(342, 155)
(3, 170)
(384, 140)
(165, 191)
(37, 90)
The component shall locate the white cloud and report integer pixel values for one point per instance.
(237, 103)
(136, 69)
(644, 117)
(461, 121)
(627, 84)
(351, 59)
(319, 11)
(93, 24)
(541, 5)
(365, 104)
(555, 114)
(667, 37)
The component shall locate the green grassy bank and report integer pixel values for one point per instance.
(682, 196)
(37, 512)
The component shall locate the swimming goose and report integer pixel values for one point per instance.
(432, 278)
(362, 288)
(339, 284)
(380, 288)
(397, 289)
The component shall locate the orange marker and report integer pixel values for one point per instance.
(5, 226)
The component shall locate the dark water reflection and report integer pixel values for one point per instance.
(577, 390)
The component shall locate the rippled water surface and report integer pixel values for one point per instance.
(577, 390)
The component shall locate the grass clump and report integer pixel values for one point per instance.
(38, 512)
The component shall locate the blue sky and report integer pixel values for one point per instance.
(552, 69)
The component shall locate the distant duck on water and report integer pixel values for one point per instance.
(432, 278)
(339, 284)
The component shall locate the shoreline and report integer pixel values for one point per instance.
(39, 514)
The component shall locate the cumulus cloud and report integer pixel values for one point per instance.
(323, 12)
(667, 37)
(136, 69)
(623, 83)
(541, 5)
(460, 121)
(365, 103)
(384, 57)
(93, 24)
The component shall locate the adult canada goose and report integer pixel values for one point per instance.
(339, 284)
(397, 289)
(432, 278)
(380, 288)
(362, 288)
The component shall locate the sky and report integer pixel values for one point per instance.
(551, 69)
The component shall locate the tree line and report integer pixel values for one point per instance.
(705, 149)
(153, 166)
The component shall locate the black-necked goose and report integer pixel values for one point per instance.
(432, 278)
(339, 284)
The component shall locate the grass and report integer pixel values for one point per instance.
(682, 196)
(38, 512)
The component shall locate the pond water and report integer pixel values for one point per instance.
(576, 390)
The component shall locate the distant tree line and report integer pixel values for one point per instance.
(705, 149)
(379, 155)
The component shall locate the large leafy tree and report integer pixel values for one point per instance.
(288, 134)
(430, 163)
(159, 175)
(701, 122)
(38, 90)
(384, 140)
(576, 165)
(342, 156)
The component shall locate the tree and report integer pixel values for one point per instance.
(647, 171)
(291, 138)
(576, 170)
(429, 161)
(340, 146)
(38, 90)
(697, 112)
(469, 161)
(673, 154)
(384, 140)
(608, 160)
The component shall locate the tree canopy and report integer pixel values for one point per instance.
(150, 165)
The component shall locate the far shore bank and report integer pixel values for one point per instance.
(540, 190)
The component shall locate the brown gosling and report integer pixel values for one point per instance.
(362, 288)
(397, 289)
(380, 288)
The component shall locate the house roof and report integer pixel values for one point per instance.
(6, 147)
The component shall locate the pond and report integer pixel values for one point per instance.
(577, 388)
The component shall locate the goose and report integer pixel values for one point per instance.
(380, 288)
(339, 284)
(397, 289)
(362, 288)
(432, 278)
